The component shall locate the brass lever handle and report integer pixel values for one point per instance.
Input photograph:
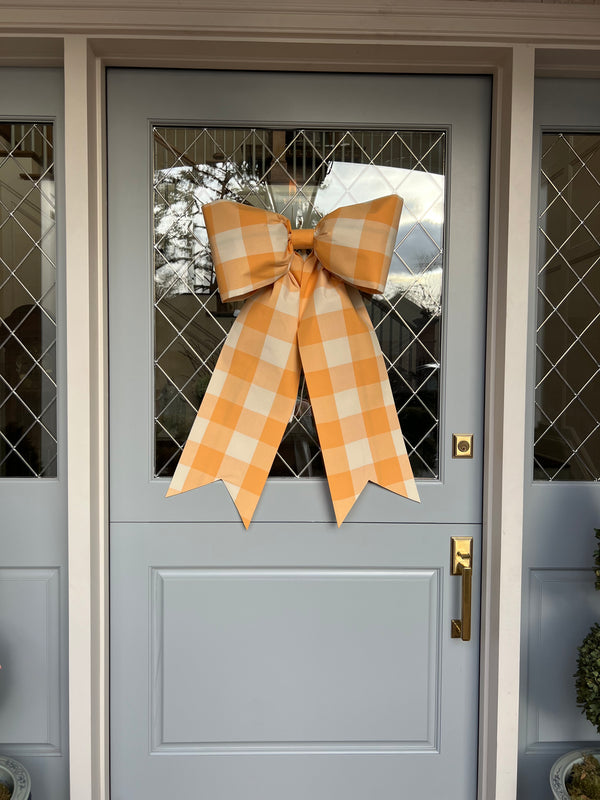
(462, 557)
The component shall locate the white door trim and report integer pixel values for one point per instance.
(87, 411)
(506, 381)
(505, 422)
(513, 68)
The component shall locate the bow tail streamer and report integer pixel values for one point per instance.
(248, 402)
(350, 394)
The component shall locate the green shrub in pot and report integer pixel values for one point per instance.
(584, 781)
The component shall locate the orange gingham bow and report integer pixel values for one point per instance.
(301, 312)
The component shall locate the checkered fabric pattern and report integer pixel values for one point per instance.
(301, 311)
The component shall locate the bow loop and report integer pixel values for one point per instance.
(356, 243)
(253, 247)
(250, 247)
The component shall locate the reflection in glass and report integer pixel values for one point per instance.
(567, 394)
(28, 446)
(302, 174)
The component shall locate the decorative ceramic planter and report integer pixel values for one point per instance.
(561, 769)
(16, 777)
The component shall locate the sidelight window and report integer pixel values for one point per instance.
(567, 391)
(28, 439)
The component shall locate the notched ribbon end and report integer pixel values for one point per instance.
(244, 501)
(408, 490)
(245, 507)
(343, 508)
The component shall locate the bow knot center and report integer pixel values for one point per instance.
(302, 238)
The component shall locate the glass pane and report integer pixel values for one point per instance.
(567, 394)
(302, 174)
(28, 446)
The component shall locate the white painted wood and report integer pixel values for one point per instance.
(506, 381)
(308, 734)
(86, 412)
(422, 21)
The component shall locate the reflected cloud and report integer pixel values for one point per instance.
(416, 268)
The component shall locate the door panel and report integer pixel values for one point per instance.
(235, 101)
(293, 672)
(33, 528)
(295, 659)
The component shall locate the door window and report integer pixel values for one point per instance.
(302, 174)
(567, 391)
(28, 444)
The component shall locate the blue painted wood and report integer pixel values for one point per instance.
(559, 601)
(295, 659)
(33, 532)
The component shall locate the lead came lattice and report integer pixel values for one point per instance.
(567, 392)
(301, 174)
(28, 438)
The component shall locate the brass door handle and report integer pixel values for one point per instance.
(461, 561)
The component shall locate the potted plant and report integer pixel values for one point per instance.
(576, 775)
(15, 783)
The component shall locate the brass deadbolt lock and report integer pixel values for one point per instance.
(462, 445)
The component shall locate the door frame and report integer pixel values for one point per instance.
(461, 38)
(504, 424)
(510, 201)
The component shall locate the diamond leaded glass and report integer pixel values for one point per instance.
(28, 445)
(302, 174)
(567, 391)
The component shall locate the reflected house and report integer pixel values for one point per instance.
(413, 332)
(28, 443)
(20, 392)
(188, 340)
(409, 339)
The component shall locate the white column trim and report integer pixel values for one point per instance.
(506, 385)
(86, 428)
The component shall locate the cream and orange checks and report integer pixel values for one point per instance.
(301, 312)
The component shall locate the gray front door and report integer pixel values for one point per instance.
(296, 659)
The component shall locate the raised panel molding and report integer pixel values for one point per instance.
(30, 634)
(562, 607)
(257, 630)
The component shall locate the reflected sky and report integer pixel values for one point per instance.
(416, 268)
(419, 242)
